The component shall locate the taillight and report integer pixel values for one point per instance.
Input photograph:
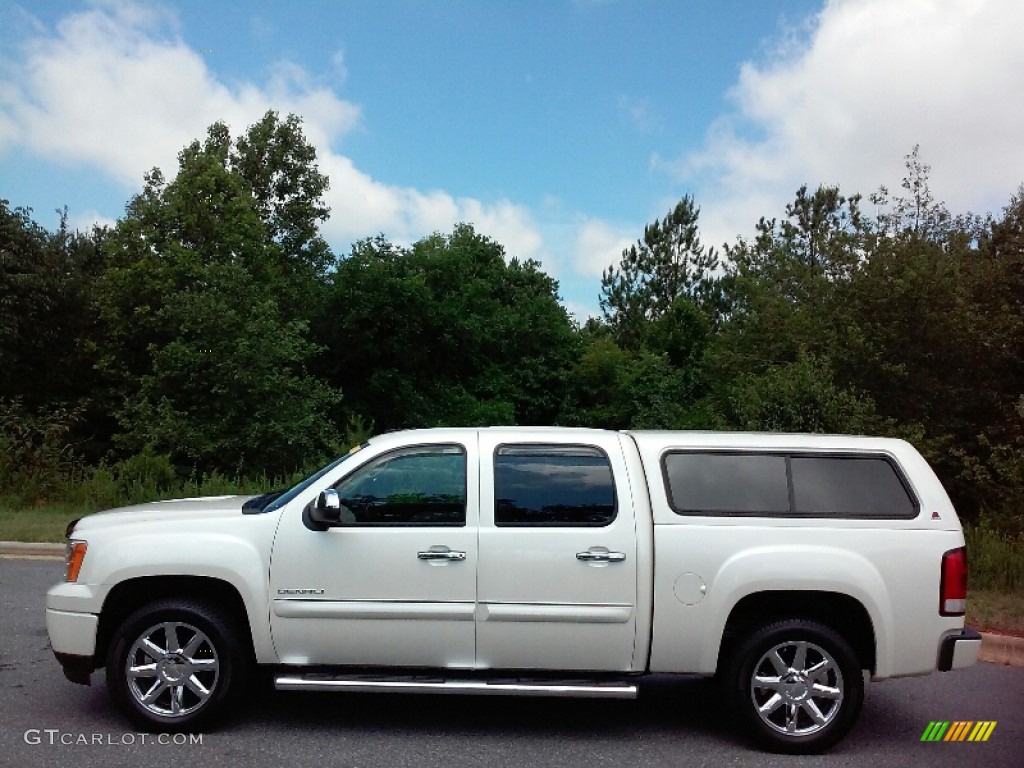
(953, 587)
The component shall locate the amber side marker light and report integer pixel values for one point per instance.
(73, 559)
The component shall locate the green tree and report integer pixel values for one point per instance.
(445, 332)
(801, 396)
(669, 263)
(279, 167)
(617, 389)
(786, 287)
(203, 362)
(46, 322)
(915, 212)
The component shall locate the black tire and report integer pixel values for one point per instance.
(777, 703)
(192, 664)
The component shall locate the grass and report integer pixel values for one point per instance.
(995, 599)
(46, 523)
(989, 611)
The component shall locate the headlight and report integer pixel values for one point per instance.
(73, 557)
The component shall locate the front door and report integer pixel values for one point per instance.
(395, 584)
(557, 576)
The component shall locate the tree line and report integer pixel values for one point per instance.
(212, 328)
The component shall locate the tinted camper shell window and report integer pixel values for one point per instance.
(765, 484)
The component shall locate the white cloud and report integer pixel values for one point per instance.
(83, 221)
(844, 99)
(598, 245)
(362, 206)
(511, 225)
(118, 89)
(580, 313)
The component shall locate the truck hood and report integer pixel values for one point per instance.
(175, 510)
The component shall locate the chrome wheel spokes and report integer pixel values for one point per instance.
(797, 688)
(172, 669)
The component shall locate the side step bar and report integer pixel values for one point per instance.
(594, 689)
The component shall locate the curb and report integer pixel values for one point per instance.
(995, 649)
(1002, 649)
(31, 549)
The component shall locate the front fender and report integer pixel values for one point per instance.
(239, 561)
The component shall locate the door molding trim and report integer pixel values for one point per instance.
(373, 609)
(613, 613)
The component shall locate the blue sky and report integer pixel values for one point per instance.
(559, 127)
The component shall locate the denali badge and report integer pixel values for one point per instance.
(300, 591)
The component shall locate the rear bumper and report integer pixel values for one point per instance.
(958, 649)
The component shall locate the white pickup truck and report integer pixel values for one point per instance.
(535, 561)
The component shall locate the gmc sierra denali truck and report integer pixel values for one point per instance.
(534, 561)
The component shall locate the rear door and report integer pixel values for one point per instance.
(557, 575)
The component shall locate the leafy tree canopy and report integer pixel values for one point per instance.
(204, 350)
(447, 331)
(667, 264)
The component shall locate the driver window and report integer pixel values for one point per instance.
(421, 485)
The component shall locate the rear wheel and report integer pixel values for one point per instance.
(796, 686)
(176, 665)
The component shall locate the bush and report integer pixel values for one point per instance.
(96, 489)
(996, 560)
(146, 477)
(216, 484)
(35, 458)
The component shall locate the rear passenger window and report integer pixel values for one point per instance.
(553, 485)
(774, 485)
(849, 487)
(726, 483)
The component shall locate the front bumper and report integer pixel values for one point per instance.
(958, 649)
(71, 632)
(77, 669)
(73, 640)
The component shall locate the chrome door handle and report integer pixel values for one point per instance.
(448, 554)
(601, 557)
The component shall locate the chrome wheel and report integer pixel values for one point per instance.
(797, 688)
(172, 669)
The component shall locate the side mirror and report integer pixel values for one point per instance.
(327, 510)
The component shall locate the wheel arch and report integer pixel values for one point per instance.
(844, 614)
(128, 596)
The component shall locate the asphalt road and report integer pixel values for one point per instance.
(45, 720)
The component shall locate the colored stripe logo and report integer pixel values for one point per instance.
(958, 730)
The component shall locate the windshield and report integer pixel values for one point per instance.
(284, 498)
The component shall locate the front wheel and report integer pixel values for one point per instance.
(176, 666)
(796, 686)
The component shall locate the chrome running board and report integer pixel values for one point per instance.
(593, 689)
